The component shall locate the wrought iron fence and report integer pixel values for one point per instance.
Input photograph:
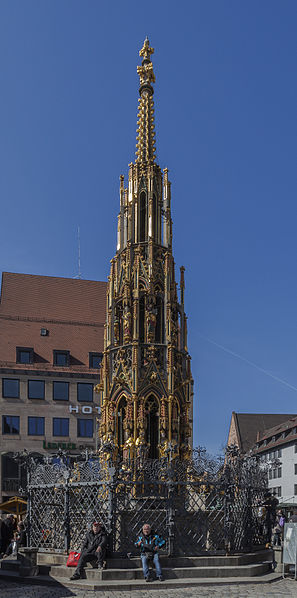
(202, 506)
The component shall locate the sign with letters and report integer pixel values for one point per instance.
(66, 446)
(85, 409)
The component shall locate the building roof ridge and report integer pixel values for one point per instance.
(279, 428)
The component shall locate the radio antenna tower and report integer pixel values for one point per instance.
(78, 243)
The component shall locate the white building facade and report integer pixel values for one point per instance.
(278, 448)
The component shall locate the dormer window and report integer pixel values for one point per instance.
(24, 355)
(273, 439)
(61, 358)
(95, 360)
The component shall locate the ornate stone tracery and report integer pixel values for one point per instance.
(146, 384)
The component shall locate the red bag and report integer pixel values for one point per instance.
(73, 559)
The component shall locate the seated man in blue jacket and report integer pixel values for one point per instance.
(149, 544)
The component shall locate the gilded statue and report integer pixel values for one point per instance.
(127, 325)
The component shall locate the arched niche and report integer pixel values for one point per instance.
(120, 418)
(155, 219)
(142, 227)
(152, 426)
(142, 318)
(159, 335)
(175, 421)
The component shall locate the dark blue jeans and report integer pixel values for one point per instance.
(145, 567)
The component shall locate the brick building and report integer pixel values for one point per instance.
(51, 343)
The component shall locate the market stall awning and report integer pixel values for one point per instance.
(15, 505)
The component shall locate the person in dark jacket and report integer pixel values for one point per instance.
(270, 504)
(149, 543)
(293, 518)
(6, 533)
(93, 549)
(20, 539)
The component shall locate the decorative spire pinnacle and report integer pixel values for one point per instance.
(145, 147)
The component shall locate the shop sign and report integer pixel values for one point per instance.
(66, 446)
(86, 409)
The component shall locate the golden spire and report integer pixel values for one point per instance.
(145, 124)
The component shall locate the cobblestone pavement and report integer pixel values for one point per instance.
(282, 589)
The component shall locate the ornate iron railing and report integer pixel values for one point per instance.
(202, 506)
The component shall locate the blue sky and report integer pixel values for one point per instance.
(226, 128)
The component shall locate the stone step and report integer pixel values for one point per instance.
(133, 585)
(250, 570)
(14, 565)
(45, 558)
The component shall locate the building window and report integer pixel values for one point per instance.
(85, 428)
(295, 468)
(11, 474)
(10, 424)
(295, 448)
(60, 391)
(279, 453)
(24, 355)
(84, 392)
(95, 360)
(276, 472)
(277, 491)
(35, 389)
(60, 426)
(36, 426)
(61, 358)
(10, 388)
(295, 489)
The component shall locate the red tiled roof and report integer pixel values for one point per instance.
(287, 425)
(73, 311)
(51, 298)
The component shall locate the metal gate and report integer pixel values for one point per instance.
(195, 510)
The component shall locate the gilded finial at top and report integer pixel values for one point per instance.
(146, 50)
(146, 144)
(145, 71)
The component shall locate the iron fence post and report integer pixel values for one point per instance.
(227, 520)
(67, 537)
(170, 519)
(29, 520)
(249, 519)
(111, 505)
